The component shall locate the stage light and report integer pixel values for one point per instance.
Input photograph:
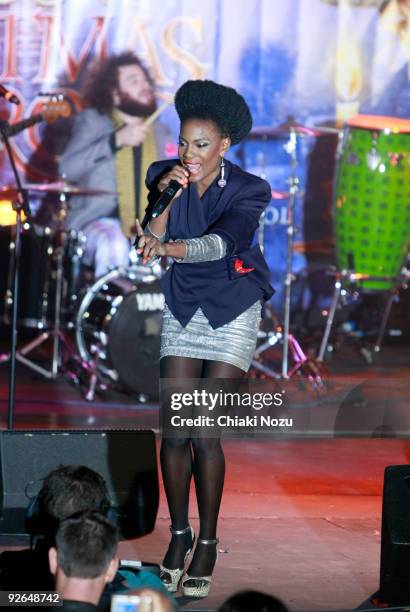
(7, 214)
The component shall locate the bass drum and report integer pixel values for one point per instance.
(41, 248)
(119, 326)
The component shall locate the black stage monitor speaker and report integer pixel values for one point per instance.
(395, 547)
(126, 459)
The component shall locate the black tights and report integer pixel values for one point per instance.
(202, 458)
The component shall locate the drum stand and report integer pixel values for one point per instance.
(301, 361)
(284, 336)
(20, 204)
(348, 277)
(55, 333)
(293, 181)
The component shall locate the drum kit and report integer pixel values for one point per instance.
(117, 319)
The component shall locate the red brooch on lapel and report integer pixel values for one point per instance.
(238, 265)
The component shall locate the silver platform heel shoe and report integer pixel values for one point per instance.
(200, 585)
(173, 576)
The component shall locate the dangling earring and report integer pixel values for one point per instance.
(222, 181)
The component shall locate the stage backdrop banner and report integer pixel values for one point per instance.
(317, 61)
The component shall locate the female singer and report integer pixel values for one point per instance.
(213, 293)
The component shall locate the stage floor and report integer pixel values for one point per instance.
(299, 519)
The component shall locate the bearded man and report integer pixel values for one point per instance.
(110, 149)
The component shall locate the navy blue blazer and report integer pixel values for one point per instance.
(227, 287)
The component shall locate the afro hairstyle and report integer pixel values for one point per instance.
(215, 102)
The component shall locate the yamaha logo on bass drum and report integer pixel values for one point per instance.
(149, 301)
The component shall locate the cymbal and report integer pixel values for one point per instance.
(10, 192)
(64, 187)
(282, 131)
(329, 127)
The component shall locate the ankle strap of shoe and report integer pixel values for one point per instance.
(179, 531)
(208, 541)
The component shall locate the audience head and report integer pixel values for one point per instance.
(84, 557)
(70, 489)
(252, 600)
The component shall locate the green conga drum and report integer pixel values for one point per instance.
(372, 200)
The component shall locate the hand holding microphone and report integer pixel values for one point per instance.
(170, 186)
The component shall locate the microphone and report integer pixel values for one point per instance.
(160, 205)
(8, 95)
(165, 198)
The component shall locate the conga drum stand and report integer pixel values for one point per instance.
(344, 280)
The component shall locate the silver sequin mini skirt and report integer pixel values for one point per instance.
(232, 343)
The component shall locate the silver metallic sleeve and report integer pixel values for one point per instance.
(206, 248)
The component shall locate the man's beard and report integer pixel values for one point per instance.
(132, 107)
